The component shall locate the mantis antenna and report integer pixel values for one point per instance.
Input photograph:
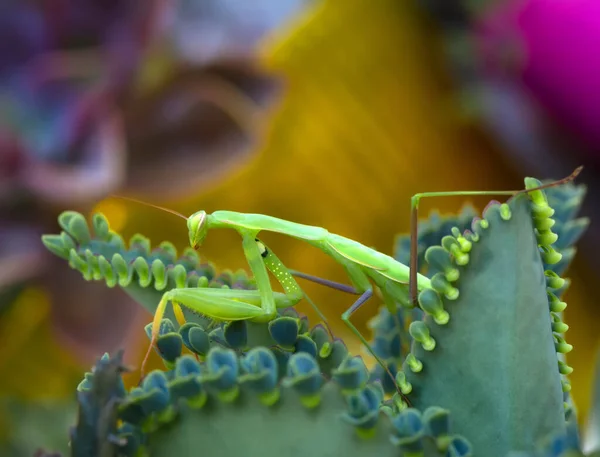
(151, 205)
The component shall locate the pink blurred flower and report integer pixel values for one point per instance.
(553, 48)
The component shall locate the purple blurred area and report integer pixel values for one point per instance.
(79, 121)
(555, 46)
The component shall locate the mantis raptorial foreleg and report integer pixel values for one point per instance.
(286, 278)
(230, 305)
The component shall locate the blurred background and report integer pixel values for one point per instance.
(318, 111)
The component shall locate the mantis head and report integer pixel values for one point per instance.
(198, 228)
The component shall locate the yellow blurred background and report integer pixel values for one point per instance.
(367, 119)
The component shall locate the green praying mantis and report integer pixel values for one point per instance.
(365, 267)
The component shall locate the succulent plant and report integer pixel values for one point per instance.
(490, 381)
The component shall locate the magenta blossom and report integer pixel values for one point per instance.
(553, 48)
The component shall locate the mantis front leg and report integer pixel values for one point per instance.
(230, 305)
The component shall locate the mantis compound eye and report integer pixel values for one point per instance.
(197, 227)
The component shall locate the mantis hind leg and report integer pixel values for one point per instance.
(414, 218)
(414, 227)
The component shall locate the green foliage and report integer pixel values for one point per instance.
(498, 326)
(481, 361)
(144, 273)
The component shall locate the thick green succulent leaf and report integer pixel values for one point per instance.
(230, 405)
(99, 395)
(145, 273)
(430, 233)
(316, 342)
(494, 364)
(247, 427)
(566, 201)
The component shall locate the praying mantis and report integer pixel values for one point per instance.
(365, 267)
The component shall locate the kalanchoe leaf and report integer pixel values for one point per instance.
(56, 245)
(236, 334)
(437, 421)
(383, 347)
(321, 337)
(459, 447)
(381, 375)
(304, 374)
(421, 334)
(261, 374)
(143, 273)
(87, 384)
(305, 344)
(566, 444)
(155, 397)
(169, 342)
(351, 374)
(566, 200)
(429, 233)
(133, 437)
(303, 325)
(97, 416)
(195, 338)
(166, 326)
(150, 404)
(222, 370)
(388, 345)
(101, 227)
(169, 347)
(132, 410)
(217, 335)
(408, 431)
(385, 322)
(283, 357)
(336, 355)
(431, 303)
(439, 260)
(486, 305)
(330, 353)
(284, 330)
(363, 409)
(186, 383)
